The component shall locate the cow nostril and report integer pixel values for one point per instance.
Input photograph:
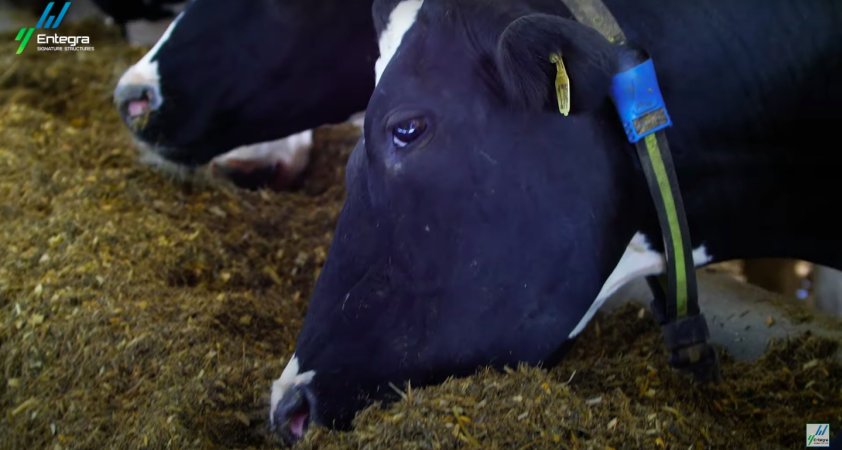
(135, 103)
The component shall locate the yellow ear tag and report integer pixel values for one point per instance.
(562, 85)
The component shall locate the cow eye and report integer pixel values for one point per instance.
(408, 131)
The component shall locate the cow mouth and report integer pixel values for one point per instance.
(137, 109)
(293, 415)
(299, 422)
(137, 112)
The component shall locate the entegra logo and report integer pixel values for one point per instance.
(46, 22)
(818, 435)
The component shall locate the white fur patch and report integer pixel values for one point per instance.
(358, 119)
(400, 21)
(639, 260)
(289, 379)
(292, 151)
(145, 71)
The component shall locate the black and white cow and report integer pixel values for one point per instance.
(234, 75)
(481, 227)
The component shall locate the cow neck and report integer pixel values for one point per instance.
(644, 116)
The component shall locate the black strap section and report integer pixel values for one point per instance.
(685, 332)
(673, 291)
(686, 339)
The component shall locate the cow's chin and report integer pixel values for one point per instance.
(156, 157)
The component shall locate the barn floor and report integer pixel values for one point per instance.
(140, 311)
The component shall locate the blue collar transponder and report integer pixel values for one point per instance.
(639, 102)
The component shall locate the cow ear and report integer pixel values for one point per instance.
(528, 67)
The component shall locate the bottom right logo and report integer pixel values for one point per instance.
(818, 435)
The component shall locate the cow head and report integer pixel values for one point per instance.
(227, 74)
(480, 224)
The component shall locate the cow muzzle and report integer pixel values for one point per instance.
(293, 413)
(136, 103)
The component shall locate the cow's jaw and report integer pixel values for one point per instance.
(152, 156)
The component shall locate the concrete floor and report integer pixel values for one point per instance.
(738, 314)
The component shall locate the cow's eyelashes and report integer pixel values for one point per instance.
(408, 131)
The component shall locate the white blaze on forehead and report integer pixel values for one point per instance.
(145, 71)
(293, 152)
(289, 379)
(639, 260)
(400, 21)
